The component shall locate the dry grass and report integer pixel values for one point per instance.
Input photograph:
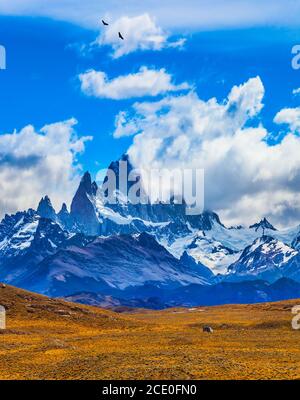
(51, 339)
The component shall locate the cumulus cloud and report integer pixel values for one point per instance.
(34, 163)
(245, 177)
(296, 92)
(140, 33)
(290, 117)
(146, 82)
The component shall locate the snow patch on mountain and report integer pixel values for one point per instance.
(17, 233)
(265, 258)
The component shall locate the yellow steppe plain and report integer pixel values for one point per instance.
(52, 339)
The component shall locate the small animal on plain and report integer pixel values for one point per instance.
(120, 36)
(208, 329)
(2, 285)
(104, 23)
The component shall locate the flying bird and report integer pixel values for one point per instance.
(120, 36)
(104, 23)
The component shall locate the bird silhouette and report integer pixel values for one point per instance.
(120, 36)
(104, 23)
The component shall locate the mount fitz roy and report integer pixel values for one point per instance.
(145, 255)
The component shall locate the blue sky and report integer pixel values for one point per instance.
(41, 86)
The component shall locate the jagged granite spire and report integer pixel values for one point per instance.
(64, 217)
(64, 210)
(83, 210)
(263, 224)
(45, 209)
(87, 186)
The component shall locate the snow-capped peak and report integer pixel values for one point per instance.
(262, 225)
(262, 259)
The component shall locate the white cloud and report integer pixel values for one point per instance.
(34, 163)
(245, 178)
(296, 92)
(173, 14)
(140, 33)
(246, 100)
(146, 82)
(289, 116)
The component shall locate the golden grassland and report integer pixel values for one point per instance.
(52, 339)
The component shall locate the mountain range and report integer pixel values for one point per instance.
(149, 255)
